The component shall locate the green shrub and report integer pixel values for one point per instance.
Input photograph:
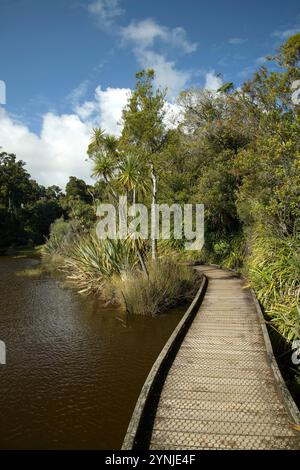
(169, 284)
(91, 263)
(273, 269)
(235, 257)
(62, 235)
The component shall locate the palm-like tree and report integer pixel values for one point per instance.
(104, 153)
(101, 142)
(128, 171)
(131, 176)
(132, 179)
(97, 139)
(104, 166)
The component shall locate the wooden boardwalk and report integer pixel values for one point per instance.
(223, 390)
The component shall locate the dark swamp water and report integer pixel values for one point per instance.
(74, 367)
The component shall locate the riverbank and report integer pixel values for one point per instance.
(22, 251)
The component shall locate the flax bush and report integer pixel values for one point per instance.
(92, 263)
(273, 269)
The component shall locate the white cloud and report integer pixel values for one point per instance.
(261, 60)
(105, 11)
(145, 35)
(167, 75)
(246, 72)
(174, 115)
(212, 81)
(111, 103)
(78, 93)
(106, 109)
(59, 151)
(54, 155)
(85, 110)
(237, 41)
(249, 70)
(286, 33)
(2, 92)
(145, 32)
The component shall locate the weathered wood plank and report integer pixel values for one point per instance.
(223, 390)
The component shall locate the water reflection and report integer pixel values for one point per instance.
(74, 367)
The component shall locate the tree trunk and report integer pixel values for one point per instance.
(153, 213)
(139, 253)
(112, 191)
(10, 204)
(141, 259)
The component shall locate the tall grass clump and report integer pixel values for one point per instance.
(235, 258)
(168, 284)
(62, 235)
(113, 270)
(92, 263)
(273, 269)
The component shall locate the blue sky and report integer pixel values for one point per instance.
(70, 64)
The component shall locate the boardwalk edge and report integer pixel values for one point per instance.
(285, 393)
(135, 434)
(280, 382)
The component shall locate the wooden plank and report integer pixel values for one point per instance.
(223, 390)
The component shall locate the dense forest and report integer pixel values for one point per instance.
(236, 150)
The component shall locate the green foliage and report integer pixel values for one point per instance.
(78, 202)
(237, 151)
(27, 209)
(37, 218)
(78, 189)
(53, 193)
(62, 236)
(91, 263)
(215, 128)
(11, 230)
(289, 53)
(234, 258)
(145, 136)
(169, 284)
(15, 184)
(270, 170)
(143, 117)
(226, 88)
(244, 147)
(131, 176)
(273, 268)
(124, 164)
